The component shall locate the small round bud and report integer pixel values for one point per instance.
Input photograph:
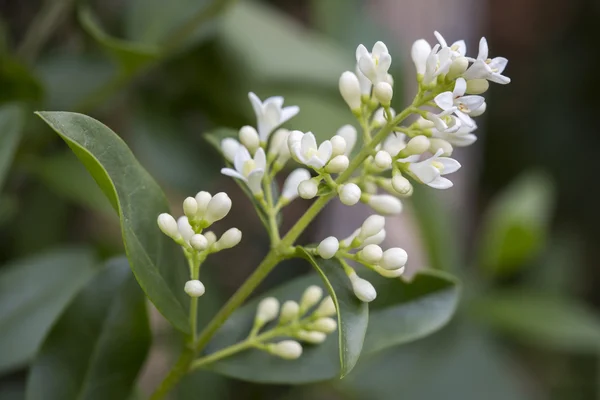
(337, 165)
(394, 258)
(350, 90)
(417, 145)
(290, 186)
(168, 225)
(190, 207)
(249, 138)
(383, 159)
(311, 296)
(328, 247)
(202, 199)
(338, 145)
(372, 226)
(383, 92)
(385, 204)
(477, 112)
(194, 288)
(371, 254)
(210, 237)
(199, 242)
(229, 239)
(267, 310)
(437, 144)
(289, 311)
(477, 86)
(325, 325)
(375, 239)
(286, 349)
(349, 194)
(185, 229)
(313, 337)
(325, 309)
(457, 68)
(229, 147)
(401, 184)
(363, 289)
(308, 189)
(218, 207)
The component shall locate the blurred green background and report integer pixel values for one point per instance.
(520, 227)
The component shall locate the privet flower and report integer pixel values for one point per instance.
(430, 171)
(270, 114)
(486, 68)
(248, 169)
(304, 148)
(460, 104)
(374, 65)
(328, 247)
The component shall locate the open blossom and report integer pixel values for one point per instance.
(460, 104)
(248, 169)
(444, 121)
(374, 65)
(430, 171)
(437, 63)
(304, 148)
(461, 138)
(486, 68)
(270, 114)
(457, 49)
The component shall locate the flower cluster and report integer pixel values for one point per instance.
(308, 321)
(200, 212)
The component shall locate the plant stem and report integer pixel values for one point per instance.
(272, 214)
(178, 371)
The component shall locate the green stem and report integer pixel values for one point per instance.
(226, 352)
(194, 318)
(178, 371)
(272, 214)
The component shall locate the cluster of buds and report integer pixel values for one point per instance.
(309, 321)
(200, 212)
(363, 247)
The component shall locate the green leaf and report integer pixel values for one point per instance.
(516, 224)
(542, 320)
(33, 292)
(98, 346)
(17, 82)
(406, 311)
(153, 257)
(11, 125)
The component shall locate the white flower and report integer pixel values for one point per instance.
(190, 207)
(383, 159)
(290, 186)
(338, 145)
(438, 63)
(371, 226)
(458, 48)
(350, 90)
(308, 189)
(348, 132)
(461, 138)
(394, 258)
(372, 253)
(460, 104)
(430, 171)
(338, 164)
(365, 83)
(383, 92)
(417, 145)
(349, 194)
(168, 225)
(328, 247)
(306, 151)
(229, 147)
(286, 349)
(419, 53)
(194, 288)
(401, 184)
(363, 289)
(270, 114)
(185, 229)
(444, 121)
(374, 65)
(202, 199)
(248, 169)
(249, 138)
(229, 239)
(217, 208)
(486, 68)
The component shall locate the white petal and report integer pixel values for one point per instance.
(289, 112)
(290, 186)
(464, 118)
(461, 47)
(271, 120)
(440, 39)
(444, 100)
(437, 121)
(385, 61)
(450, 165)
(256, 104)
(296, 150)
(497, 78)
(315, 162)
(254, 180)
(348, 132)
(483, 49)
(260, 160)
(477, 112)
(184, 228)
(361, 51)
(232, 173)
(276, 100)
(478, 70)
(325, 150)
(367, 67)
(498, 64)
(473, 102)
(460, 87)
(425, 171)
(379, 48)
(308, 142)
(241, 156)
(440, 183)
(419, 53)
(461, 140)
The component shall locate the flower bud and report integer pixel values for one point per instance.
(390, 273)
(423, 123)
(267, 310)
(229, 147)
(190, 207)
(289, 312)
(325, 325)
(349, 134)
(363, 289)
(311, 296)
(185, 229)
(371, 254)
(477, 86)
(394, 143)
(385, 204)
(308, 189)
(401, 184)
(325, 309)
(312, 337)
(457, 68)
(202, 199)
(328, 247)
(383, 92)
(278, 143)
(394, 258)
(199, 242)
(419, 53)
(249, 138)
(417, 145)
(372, 226)
(229, 239)
(338, 145)
(375, 239)
(349, 194)
(168, 225)
(350, 90)
(477, 112)
(290, 186)
(286, 349)
(218, 207)
(337, 165)
(194, 288)
(436, 144)
(383, 159)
